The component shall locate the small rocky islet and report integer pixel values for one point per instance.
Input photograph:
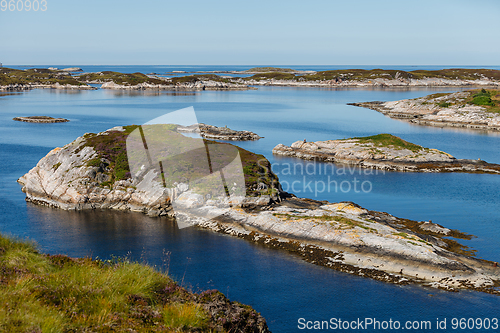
(219, 133)
(41, 119)
(384, 152)
(88, 174)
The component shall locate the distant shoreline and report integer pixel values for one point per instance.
(17, 80)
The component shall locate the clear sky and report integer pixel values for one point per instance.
(213, 32)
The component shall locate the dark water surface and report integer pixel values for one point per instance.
(279, 285)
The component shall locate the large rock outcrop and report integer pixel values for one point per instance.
(93, 172)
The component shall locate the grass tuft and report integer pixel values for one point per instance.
(183, 316)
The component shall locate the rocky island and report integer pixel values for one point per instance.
(92, 172)
(40, 119)
(139, 81)
(18, 80)
(476, 109)
(219, 133)
(384, 152)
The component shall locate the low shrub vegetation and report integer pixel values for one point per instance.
(482, 98)
(389, 140)
(44, 293)
(34, 76)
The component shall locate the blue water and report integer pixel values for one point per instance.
(162, 69)
(279, 285)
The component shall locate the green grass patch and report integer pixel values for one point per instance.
(184, 316)
(95, 162)
(482, 98)
(489, 99)
(389, 140)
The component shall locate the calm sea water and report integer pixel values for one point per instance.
(162, 69)
(279, 285)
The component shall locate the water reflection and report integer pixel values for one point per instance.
(105, 231)
(148, 93)
(8, 93)
(67, 91)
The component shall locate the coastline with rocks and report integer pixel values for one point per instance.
(57, 85)
(12, 80)
(375, 83)
(187, 86)
(342, 236)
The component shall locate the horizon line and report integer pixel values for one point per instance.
(266, 65)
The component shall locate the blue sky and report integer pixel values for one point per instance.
(356, 32)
